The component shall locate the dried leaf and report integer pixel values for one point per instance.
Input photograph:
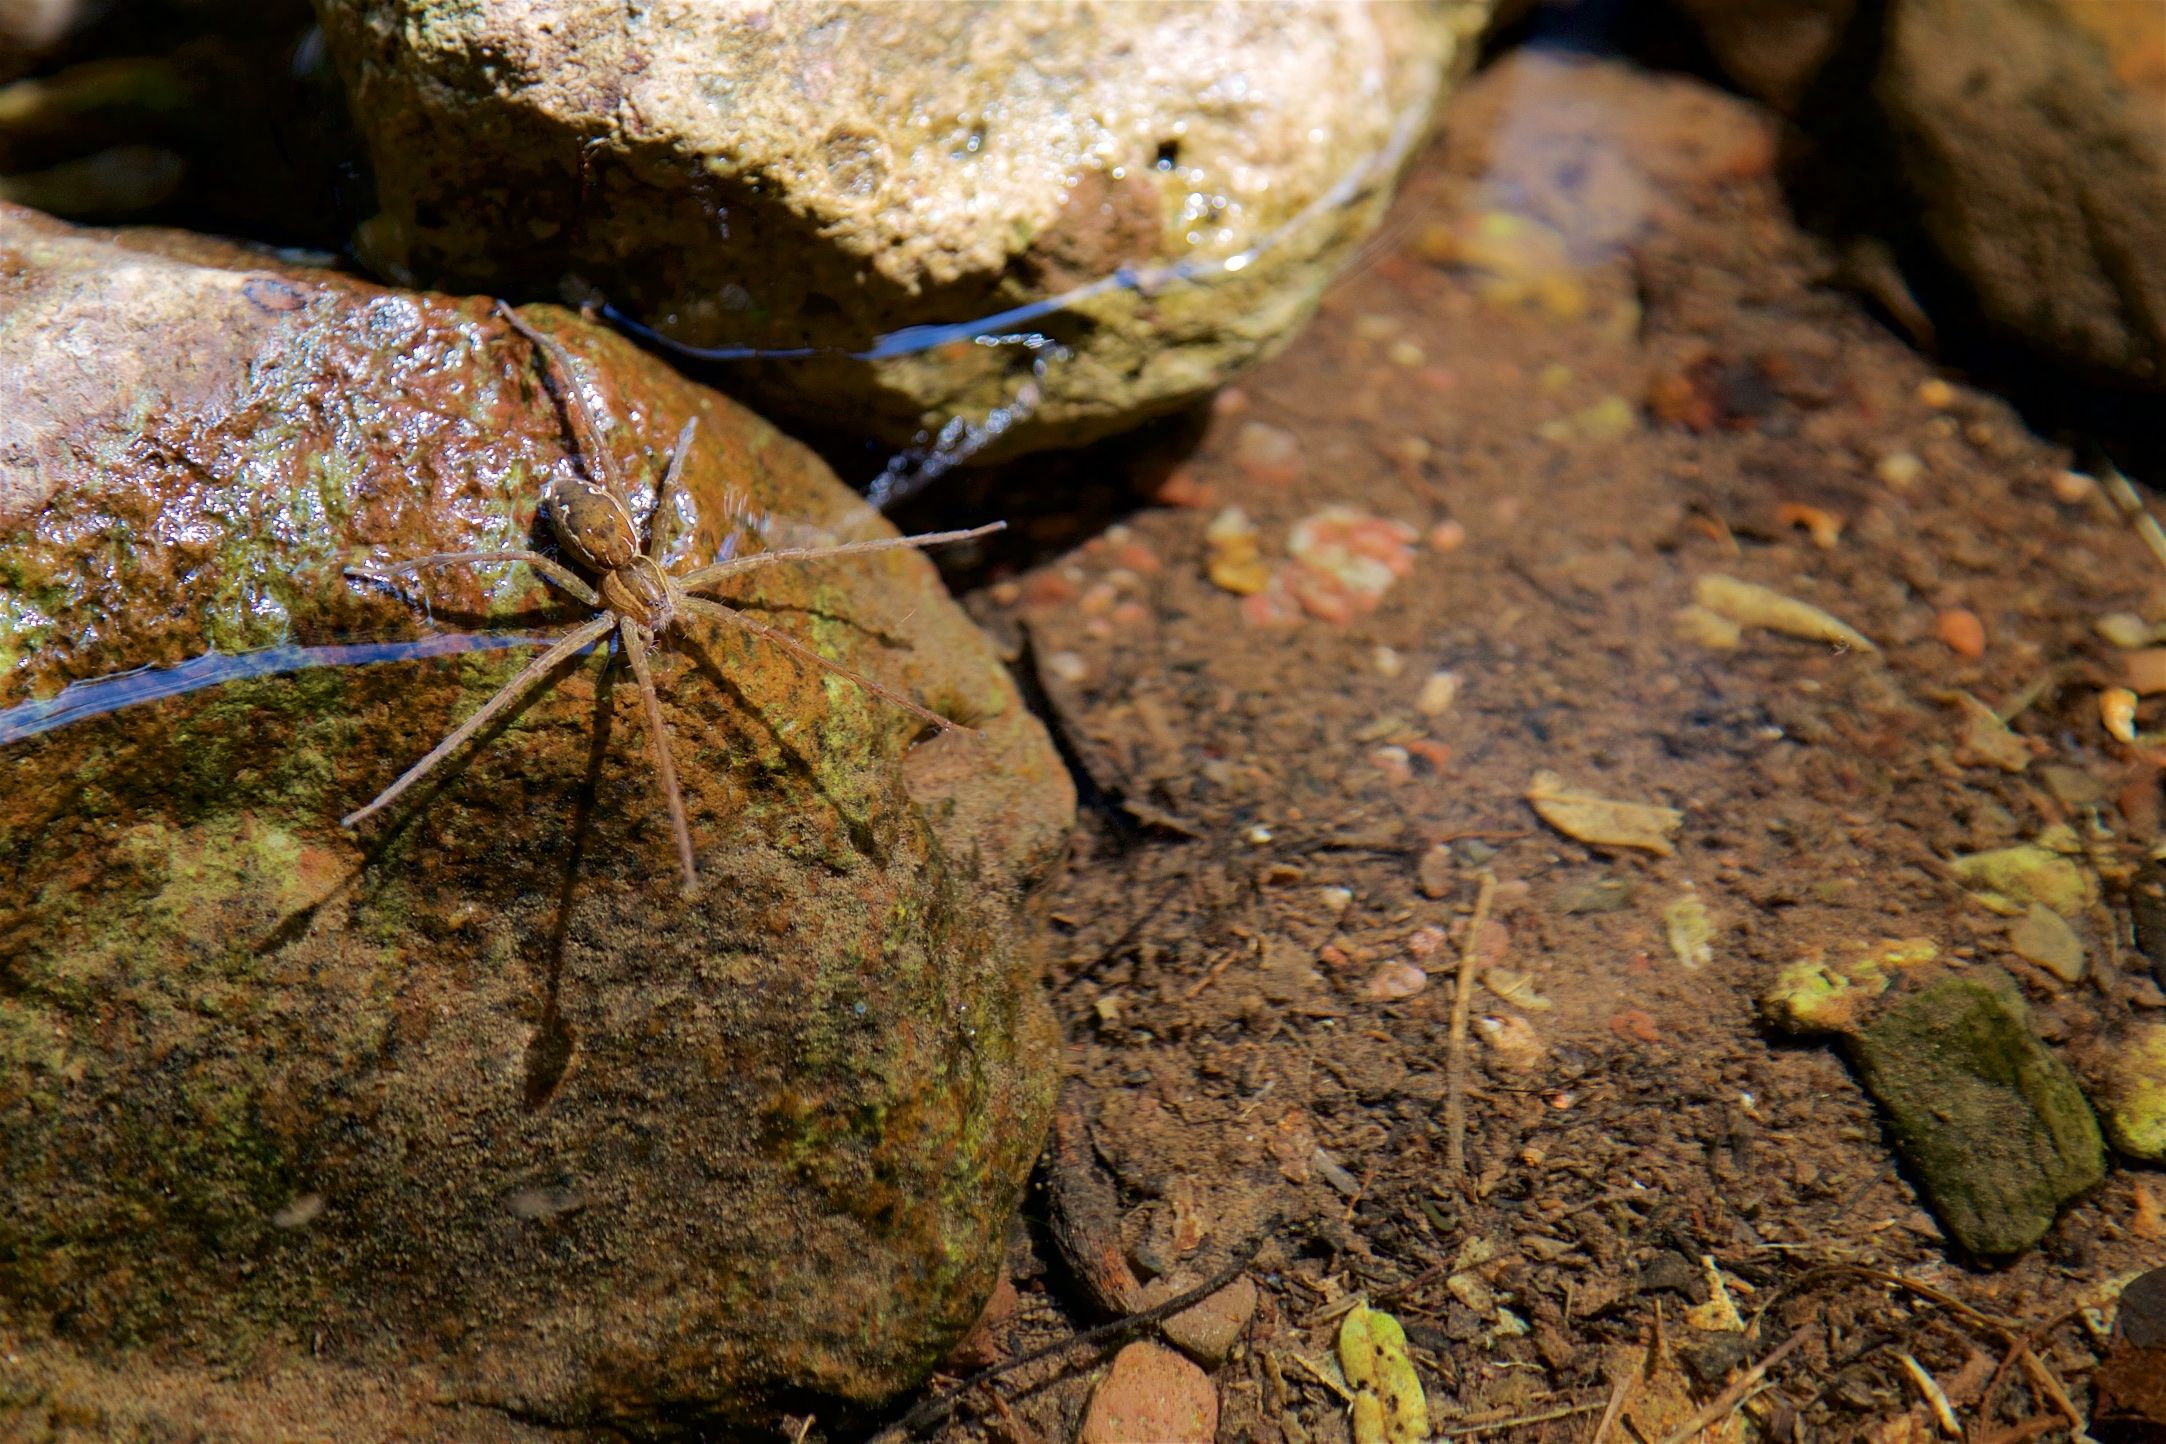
(1516, 989)
(1752, 605)
(1600, 820)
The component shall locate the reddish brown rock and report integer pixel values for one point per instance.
(1151, 1396)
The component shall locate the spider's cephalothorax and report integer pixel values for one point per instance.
(635, 595)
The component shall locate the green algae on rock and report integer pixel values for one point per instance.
(826, 174)
(1993, 1124)
(2131, 1091)
(478, 1087)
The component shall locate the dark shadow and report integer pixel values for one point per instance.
(1052, 501)
(402, 816)
(550, 1051)
(861, 834)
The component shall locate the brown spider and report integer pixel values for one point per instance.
(637, 598)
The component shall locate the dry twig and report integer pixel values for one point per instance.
(933, 1412)
(1455, 1100)
(1733, 1396)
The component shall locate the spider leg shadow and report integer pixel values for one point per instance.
(860, 831)
(864, 629)
(549, 1053)
(405, 812)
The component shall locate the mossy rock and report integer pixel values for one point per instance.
(1994, 1126)
(472, 1100)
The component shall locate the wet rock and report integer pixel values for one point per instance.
(2026, 136)
(2131, 1092)
(475, 1085)
(2045, 872)
(1992, 1123)
(1151, 1393)
(831, 173)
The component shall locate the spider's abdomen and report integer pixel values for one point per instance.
(590, 522)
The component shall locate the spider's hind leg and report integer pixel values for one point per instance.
(635, 652)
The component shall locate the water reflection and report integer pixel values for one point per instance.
(82, 700)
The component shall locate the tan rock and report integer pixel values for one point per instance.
(826, 173)
(1207, 1330)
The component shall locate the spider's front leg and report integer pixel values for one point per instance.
(555, 573)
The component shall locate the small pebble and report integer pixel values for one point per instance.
(1424, 943)
(1394, 981)
(1435, 872)
(1067, 666)
(2072, 487)
(1517, 1047)
(1267, 454)
(1337, 899)
(1437, 694)
(1899, 470)
(1405, 355)
(1394, 763)
(1230, 401)
(1375, 326)
(2044, 937)
(1006, 593)
(1208, 1331)
(1257, 836)
(300, 1213)
(1961, 632)
(1408, 450)
(1447, 536)
(2125, 630)
(1387, 661)
(2117, 711)
(1936, 393)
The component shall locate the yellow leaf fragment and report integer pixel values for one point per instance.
(1372, 1352)
(1690, 931)
(1517, 989)
(1719, 1314)
(1601, 820)
(1752, 605)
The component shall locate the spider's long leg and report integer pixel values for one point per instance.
(512, 691)
(662, 493)
(585, 430)
(710, 574)
(554, 573)
(635, 651)
(799, 650)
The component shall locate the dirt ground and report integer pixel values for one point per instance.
(1288, 820)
